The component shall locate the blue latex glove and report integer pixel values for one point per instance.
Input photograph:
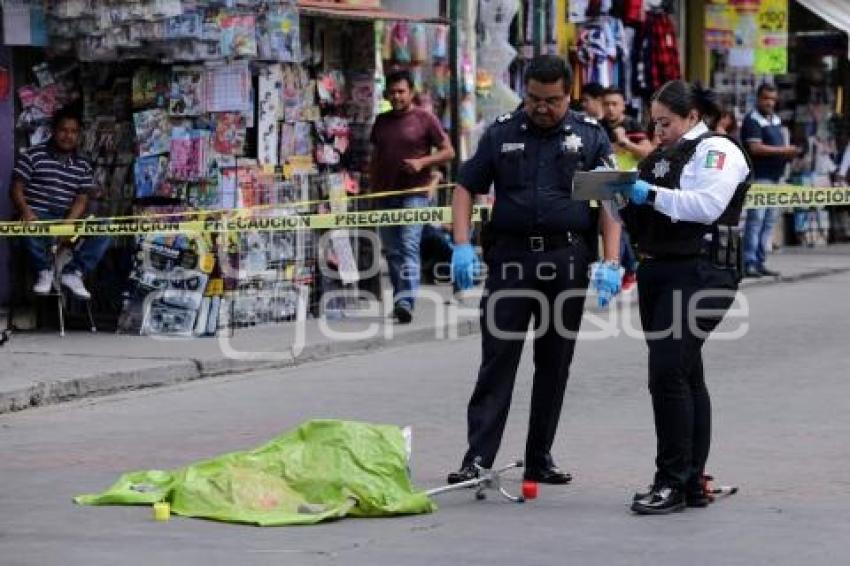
(636, 192)
(463, 266)
(606, 281)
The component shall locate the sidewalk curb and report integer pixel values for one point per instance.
(327, 351)
(813, 274)
(48, 393)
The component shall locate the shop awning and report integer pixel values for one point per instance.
(834, 12)
(345, 12)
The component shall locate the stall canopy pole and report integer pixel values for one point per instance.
(454, 96)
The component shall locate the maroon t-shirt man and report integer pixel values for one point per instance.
(399, 136)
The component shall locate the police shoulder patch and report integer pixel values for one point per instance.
(591, 120)
(504, 117)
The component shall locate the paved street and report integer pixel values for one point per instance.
(781, 431)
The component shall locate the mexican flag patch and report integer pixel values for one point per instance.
(715, 159)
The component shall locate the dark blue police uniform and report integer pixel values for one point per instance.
(537, 246)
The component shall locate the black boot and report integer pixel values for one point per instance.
(660, 501)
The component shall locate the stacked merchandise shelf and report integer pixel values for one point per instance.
(205, 108)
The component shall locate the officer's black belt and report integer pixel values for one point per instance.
(536, 243)
(705, 250)
(669, 257)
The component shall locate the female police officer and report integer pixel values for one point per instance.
(680, 213)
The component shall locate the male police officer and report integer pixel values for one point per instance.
(537, 247)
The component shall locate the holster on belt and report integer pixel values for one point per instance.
(726, 250)
(488, 237)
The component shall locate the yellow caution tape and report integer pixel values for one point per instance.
(781, 196)
(295, 205)
(237, 223)
(242, 220)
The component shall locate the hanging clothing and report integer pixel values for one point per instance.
(625, 65)
(633, 12)
(663, 51)
(602, 51)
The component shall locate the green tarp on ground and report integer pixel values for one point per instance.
(324, 469)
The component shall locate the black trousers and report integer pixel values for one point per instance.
(522, 285)
(681, 302)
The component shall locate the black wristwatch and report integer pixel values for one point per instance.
(650, 197)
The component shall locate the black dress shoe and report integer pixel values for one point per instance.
(752, 271)
(660, 501)
(693, 498)
(552, 475)
(402, 314)
(465, 473)
(767, 272)
(643, 494)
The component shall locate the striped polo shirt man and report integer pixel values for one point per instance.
(52, 181)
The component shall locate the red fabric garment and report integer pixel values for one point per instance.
(633, 11)
(664, 54)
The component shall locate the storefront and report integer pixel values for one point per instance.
(199, 109)
(801, 47)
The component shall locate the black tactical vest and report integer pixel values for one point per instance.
(654, 233)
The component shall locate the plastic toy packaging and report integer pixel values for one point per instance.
(441, 42)
(446, 118)
(467, 113)
(351, 182)
(418, 43)
(441, 80)
(418, 78)
(468, 76)
(338, 129)
(326, 86)
(483, 82)
(335, 134)
(401, 42)
(303, 138)
(331, 88)
(383, 39)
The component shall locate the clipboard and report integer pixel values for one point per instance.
(594, 185)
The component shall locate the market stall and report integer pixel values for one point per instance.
(204, 108)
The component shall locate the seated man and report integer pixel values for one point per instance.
(52, 182)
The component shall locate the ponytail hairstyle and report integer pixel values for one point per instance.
(681, 97)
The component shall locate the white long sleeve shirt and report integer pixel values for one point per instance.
(708, 180)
